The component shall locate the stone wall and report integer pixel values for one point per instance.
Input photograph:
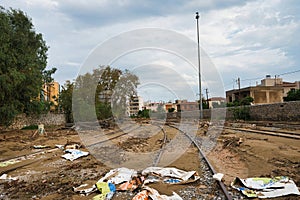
(286, 111)
(46, 119)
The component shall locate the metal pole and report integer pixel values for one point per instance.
(199, 65)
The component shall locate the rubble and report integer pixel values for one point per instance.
(266, 187)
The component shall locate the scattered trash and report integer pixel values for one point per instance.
(107, 191)
(40, 146)
(60, 146)
(143, 195)
(72, 146)
(154, 195)
(124, 179)
(266, 187)
(9, 162)
(218, 176)
(73, 154)
(84, 189)
(119, 175)
(40, 130)
(6, 177)
(166, 173)
(132, 184)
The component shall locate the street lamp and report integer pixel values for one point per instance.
(199, 64)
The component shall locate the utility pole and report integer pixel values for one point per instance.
(199, 66)
(239, 86)
(206, 91)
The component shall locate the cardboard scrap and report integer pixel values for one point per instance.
(266, 187)
(154, 195)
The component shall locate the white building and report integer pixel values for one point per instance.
(135, 104)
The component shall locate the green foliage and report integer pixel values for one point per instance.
(106, 89)
(241, 108)
(293, 95)
(65, 101)
(23, 58)
(30, 127)
(103, 110)
(242, 112)
(144, 114)
(243, 102)
(170, 110)
(216, 105)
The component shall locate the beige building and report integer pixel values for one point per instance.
(184, 105)
(50, 93)
(216, 101)
(271, 90)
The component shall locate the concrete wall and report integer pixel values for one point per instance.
(46, 119)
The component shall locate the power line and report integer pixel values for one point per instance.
(292, 72)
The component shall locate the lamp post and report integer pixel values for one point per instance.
(199, 66)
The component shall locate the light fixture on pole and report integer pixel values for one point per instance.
(199, 66)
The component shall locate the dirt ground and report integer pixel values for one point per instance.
(44, 174)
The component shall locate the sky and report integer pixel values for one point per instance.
(157, 41)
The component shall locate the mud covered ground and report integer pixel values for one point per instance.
(44, 174)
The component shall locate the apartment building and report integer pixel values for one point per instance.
(135, 104)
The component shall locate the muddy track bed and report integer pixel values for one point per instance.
(233, 153)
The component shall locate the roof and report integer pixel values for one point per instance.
(217, 99)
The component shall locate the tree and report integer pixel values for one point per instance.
(106, 89)
(241, 108)
(293, 95)
(23, 59)
(65, 100)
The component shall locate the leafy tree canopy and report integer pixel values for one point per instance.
(23, 59)
(106, 89)
(293, 95)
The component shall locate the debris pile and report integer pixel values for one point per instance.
(124, 179)
(266, 187)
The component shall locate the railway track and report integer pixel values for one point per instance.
(207, 169)
(205, 160)
(214, 188)
(278, 133)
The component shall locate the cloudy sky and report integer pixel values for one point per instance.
(245, 39)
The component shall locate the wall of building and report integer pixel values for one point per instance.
(46, 119)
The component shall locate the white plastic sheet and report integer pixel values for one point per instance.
(266, 187)
(172, 172)
(73, 154)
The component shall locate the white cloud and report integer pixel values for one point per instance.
(243, 38)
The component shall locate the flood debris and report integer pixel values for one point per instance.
(124, 179)
(154, 195)
(73, 154)
(40, 146)
(218, 176)
(9, 162)
(266, 187)
(41, 130)
(6, 177)
(169, 175)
